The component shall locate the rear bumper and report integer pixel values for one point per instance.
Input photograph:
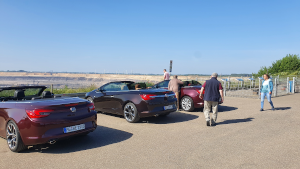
(158, 110)
(149, 114)
(43, 133)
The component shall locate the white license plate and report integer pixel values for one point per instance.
(74, 128)
(168, 107)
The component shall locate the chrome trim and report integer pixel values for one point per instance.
(166, 95)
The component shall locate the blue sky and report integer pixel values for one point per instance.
(142, 36)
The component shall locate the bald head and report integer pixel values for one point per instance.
(175, 76)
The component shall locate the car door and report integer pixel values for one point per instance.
(118, 98)
(99, 100)
(103, 97)
(108, 101)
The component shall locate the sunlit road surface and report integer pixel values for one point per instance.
(243, 138)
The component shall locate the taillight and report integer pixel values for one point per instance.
(38, 113)
(91, 107)
(147, 96)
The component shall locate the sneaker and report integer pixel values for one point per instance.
(213, 123)
(261, 109)
(207, 123)
(273, 108)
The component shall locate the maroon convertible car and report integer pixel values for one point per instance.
(122, 98)
(189, 94)
(30, 116)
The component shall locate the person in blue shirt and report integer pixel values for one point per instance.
(266, 90)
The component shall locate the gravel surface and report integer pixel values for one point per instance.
(243, 138)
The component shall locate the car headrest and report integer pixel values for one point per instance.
(19, 94)
(47, 94)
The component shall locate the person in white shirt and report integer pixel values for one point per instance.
(166, 75)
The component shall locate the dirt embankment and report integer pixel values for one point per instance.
(73, 80)
(59, 80)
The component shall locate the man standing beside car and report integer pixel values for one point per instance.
(213, 92)
(174, 86)
(166, 75)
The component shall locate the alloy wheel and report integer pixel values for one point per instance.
(11, 135)
(90, 99)
(129, 112)
(186, 104)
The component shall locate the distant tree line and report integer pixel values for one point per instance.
(289, 65)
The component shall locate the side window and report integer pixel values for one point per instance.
(115, 87)
(163, 84)
(112, 87)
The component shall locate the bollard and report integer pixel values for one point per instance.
(228, 82)
(293, 89)
(259, 87)
(287, 85)
(51, 88)
(224, 92)
(275, 88)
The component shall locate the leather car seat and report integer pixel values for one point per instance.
(19, 94)
(47, 94)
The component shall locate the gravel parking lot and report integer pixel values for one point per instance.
(243, 138)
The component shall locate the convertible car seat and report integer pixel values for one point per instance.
(47, 94)
(19, 94)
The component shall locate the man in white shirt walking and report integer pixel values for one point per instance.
(166, 75)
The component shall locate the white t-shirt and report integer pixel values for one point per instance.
(265, 86)
(266, 82)
(166, 76)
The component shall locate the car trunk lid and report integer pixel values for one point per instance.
(59, 109)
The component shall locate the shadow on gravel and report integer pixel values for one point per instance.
(221, 109)
(102, 136)
(235, 121)
(226, 108)
(282, 108)
(175, 117)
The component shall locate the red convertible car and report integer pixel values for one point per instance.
(189, 94)
(30, 116)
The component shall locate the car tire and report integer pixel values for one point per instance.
(90, 99)
(130, 113)
(187, 103)
(13, 137)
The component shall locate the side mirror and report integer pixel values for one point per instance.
(100, 89)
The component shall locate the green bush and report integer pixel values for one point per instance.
(289, 65)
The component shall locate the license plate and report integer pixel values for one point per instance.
(74, 128)
(168, 107)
